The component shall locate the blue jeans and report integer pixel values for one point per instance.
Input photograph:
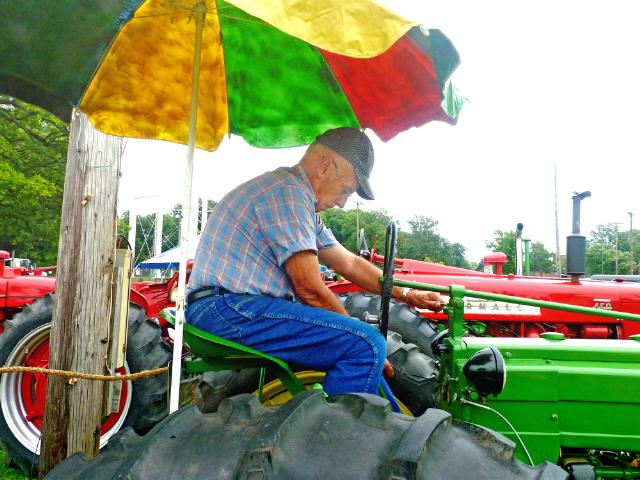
(351, 352)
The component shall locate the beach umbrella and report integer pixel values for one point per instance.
(192, 71)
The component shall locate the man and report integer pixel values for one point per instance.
(255, 278)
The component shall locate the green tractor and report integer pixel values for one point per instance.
(545, 407)
(575, 402)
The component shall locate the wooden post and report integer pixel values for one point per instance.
(79, 333)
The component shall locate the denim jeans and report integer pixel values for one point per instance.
(351, 352)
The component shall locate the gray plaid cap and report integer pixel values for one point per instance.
(355, 147)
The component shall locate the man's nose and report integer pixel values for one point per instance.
(342, 201)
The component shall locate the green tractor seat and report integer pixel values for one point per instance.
(215, 353)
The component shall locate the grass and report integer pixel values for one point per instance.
(7, 473)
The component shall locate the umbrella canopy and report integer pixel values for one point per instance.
(276, 73)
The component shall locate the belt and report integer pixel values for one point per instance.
(204, 293)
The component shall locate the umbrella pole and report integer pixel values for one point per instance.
(199, 11)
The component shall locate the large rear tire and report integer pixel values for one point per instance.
(403, 319)
(310, 437)
(25, 342)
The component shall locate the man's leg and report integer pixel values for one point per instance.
(350, 351)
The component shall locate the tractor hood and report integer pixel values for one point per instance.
(17, 290)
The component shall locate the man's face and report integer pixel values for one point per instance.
(338, 183)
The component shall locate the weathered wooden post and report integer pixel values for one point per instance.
(79, 332)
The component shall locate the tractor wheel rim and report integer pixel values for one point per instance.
(275, 393)
(12, 388)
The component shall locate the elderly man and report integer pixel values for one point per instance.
(255, 278)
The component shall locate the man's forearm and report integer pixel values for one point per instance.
(367, 276)
(320, 297)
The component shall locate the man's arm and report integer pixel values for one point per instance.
(304, 272)
(366, 275)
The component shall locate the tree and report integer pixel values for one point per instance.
(457, 256)
(601, 250)
(541, 260)
(33, 148)
(600, 258)
(504, 242)
(343, 225)
(422, 242)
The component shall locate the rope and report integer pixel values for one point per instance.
(74, 376)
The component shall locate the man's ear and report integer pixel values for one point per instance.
(324, 164)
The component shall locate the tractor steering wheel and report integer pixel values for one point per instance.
(390, 247)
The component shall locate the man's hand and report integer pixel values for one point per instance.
(388, 368)
(423, 299)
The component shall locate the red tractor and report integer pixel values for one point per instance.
(25, 321)
(500, 319)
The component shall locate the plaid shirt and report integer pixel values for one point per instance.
(254, 230)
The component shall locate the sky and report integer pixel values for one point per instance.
(548, 83)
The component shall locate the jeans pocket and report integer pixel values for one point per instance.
(244, 304)
(206, 315)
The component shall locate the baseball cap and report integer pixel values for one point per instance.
(354, 146)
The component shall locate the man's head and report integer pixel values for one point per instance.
(339, 163)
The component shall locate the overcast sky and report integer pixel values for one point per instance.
(547, 81)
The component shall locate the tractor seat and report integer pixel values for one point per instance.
(216, 353)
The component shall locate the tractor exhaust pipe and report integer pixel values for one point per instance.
(576, 243)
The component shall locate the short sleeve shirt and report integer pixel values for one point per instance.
(254, 230)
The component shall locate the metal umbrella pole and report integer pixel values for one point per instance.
(199, 12)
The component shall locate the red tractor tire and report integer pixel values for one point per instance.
(25, 342)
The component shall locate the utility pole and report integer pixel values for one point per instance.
(80, 325)
(617, 255)
(555, 192)
(631, 239)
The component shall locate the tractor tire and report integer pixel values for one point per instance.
(310, 437)
(415, 378)
(414, 383)
(403, 319)
(25, 342)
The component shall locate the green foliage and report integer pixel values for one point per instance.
(504, 242)
(343, 224)
(420, 243)
(601, 251)
(540, 259)
(8, 473)
(33, 147)
(600, 258)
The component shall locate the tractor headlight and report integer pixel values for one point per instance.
(486, 371)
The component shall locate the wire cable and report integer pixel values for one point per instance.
(463, 401)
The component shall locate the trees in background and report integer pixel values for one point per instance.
(540, 259)
(421, 242)
(605, 245)
(33, 153)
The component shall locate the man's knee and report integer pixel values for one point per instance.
(372, 346)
